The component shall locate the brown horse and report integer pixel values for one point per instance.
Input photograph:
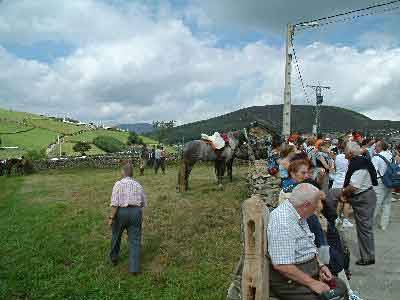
(200, 150)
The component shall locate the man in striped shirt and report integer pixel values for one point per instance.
(127, 200)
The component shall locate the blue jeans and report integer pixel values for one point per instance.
(129, 218)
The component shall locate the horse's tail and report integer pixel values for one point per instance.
(182, 176)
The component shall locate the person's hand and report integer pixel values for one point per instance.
(325, 274)
(319, 287)
(343, 199)
(110, 222)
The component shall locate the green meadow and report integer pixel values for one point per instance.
(55, 239)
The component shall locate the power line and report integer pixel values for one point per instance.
(348, 19)
(347, 13)
(316, 23)
(297, 64)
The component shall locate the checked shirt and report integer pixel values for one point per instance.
(290, 240)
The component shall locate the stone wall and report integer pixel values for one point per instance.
(101, 162)
(263, 184)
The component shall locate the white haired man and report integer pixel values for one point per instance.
(383, 193)
(358, 191)
(296, 271)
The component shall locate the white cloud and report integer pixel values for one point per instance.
(160, 69)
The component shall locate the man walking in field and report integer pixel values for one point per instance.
(127, 201)
(159, 160)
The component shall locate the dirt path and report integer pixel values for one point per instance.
(382, 281)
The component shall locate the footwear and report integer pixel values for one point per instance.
(114, 262)
(354, 295)
(348, 275)
(135, 273)
(363, 262)
(347, 223)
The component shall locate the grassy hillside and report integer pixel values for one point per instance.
(32, 132)
(56, 240)
(89, 136)
(333, 119)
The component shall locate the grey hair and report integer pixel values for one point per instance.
(353, 148)
(128, 170)
(302, 193)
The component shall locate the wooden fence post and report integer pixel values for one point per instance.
(255, 276)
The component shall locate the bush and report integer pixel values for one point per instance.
(109, 144)
(134, 139)
(36, 155)
(28, 167)
(81, 147)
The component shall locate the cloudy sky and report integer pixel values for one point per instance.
(129, 61)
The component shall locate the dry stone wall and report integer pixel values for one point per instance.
(101, 162)
(263, 184)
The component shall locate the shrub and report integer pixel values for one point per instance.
(28, 167)
(35, 154)
(109, 144)
(134, 139)
(81, 147)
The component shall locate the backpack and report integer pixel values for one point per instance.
(391, 178)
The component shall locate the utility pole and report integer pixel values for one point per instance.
(317, 110)
(59, 145)
(287, 100)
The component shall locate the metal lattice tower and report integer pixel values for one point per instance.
(319, 99)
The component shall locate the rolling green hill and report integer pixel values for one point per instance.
(333, 119)
(33, 132)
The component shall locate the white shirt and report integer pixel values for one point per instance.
(361, 180)
(157, 154)
(379, 163)
(342, 164)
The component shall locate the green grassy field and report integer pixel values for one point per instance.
(68, 149)
(55, 240)
(89, 136)
(56, 126)
(7, 127)
(35, 139)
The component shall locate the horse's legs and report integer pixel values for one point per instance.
(229, 165)
(220, 163)
(188, 169)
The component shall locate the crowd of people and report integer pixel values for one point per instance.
(326, 184)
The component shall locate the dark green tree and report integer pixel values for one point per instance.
(134, 139)
(162, 128)
(81, 147)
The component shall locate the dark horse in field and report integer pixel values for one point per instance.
(7, 167)
(200, 150)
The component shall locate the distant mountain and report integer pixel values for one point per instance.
(139, 128)
(333, 119)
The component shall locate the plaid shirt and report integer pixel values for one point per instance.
(290, 240)
(128, 192)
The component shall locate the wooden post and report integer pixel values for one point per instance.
(255, 276)
(182, 177)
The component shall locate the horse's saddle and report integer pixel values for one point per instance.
(216, 140)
